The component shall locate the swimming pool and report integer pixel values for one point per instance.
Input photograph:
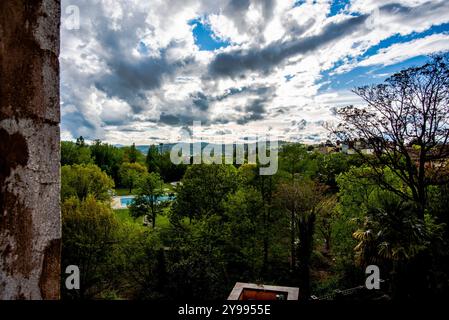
(126, 201)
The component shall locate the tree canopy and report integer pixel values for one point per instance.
(406, 124)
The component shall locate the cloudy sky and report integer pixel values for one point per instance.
(143, 70)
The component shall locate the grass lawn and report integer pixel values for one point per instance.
(122, 192)
(168, 188)
(162, 220)
(123, 215)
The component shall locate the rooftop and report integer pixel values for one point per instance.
(250, 291)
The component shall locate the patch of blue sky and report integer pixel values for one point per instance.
(299, 3)
(205, 38)
(337, 7)
(372, 74)
(142, 48)
(397, 38)
(361, 76)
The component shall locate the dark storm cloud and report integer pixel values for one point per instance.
(299, 125)
(127, 76)
(236, 11)
(201, 101)
(116, 122)
(231, 92)
(257, 96)
(394, 8)
(187, 129)
(237, 7)
(267, 9)
(169, 119)
(77, 124)
(236, 63)
(292, 26)
(121, 75)
(184, 117)
(313, 137)
(131, 78)
(398, 9)
(220, 120)
(254, 111)
(260, 91)
(110, 69)
(223, 132)
(130, 129)
(296, 126)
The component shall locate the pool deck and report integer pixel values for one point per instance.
(117, 202)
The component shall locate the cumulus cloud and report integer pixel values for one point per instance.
(399, 52)
(238, 62)
(134, 71)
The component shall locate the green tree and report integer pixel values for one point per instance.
(130, 173)
(330, 166)
(406, 124)
(266, 185)
(198, 270)
(83, 180)
(143, 263)
(248, 173)
(152, 159)
(288, 197)
(168, 170)
(356, 189)
(390, 231)
(108, 157)
(132, 154)
(392, 237)
(325, 220)
(203, 190)
(80, 142)
(147, 202)
(302, 198)
(291, 158)
(89, 230)
(72, 153)
(243, 227)
(161, 163)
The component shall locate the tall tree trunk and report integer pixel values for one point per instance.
(153, 214)
(422, 201)
(265, 243)
(327, 244)
(154, 220)
(266, 202)
(306, 229)
(292, 240)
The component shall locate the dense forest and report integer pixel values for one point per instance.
(316, 224)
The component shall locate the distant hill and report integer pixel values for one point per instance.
(164, 147)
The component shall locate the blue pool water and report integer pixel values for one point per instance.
(126, 201)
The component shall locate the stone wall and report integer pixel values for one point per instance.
(30, 223)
